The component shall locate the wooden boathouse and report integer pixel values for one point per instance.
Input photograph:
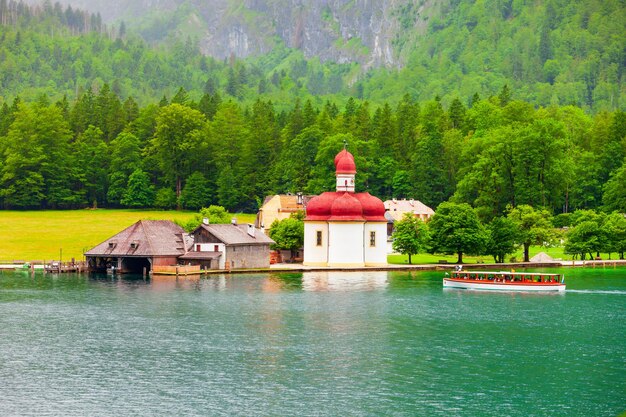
(140, 247)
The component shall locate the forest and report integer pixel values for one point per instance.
(72, 135)
(105, 152)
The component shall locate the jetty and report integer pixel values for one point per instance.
(45, 266)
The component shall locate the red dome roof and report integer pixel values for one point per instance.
(341, 154)
(346, 208)
(373, 207)
(344, 163)
(318, 208)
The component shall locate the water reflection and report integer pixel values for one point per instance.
(503, 293)
(344, 281)
(164, 283)
(267, 283)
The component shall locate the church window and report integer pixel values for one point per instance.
(372, 239)
(319, 238)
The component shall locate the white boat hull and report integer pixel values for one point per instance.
(502, 286)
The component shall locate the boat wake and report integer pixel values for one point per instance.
(615, 292)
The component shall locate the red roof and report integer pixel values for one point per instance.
(373, 207)
(341, 154)
(344, 206)
(319, 207)
(344, 163)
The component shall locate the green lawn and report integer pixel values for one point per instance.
(44, 235)
(425, 258)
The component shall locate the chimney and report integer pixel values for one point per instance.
(299, 198)
(251, 229)
(205, 220)
(233, 221)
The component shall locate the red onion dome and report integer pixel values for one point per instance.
(373, 207)
(346, 165)
(341, 154)
(346, 208)
(318, 208)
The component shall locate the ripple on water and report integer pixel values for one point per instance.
(383, 344)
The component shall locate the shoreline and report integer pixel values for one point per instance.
(288, 267)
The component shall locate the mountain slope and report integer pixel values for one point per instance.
(547, 52)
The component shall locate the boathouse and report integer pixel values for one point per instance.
(140, 247)
(228, 246)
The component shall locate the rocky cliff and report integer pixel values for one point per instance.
(364, 31)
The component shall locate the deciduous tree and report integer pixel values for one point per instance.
(410, 235)
(534, 226)
(503, 238)
(139, 190)
(288, 234)
(177, 141)
(455, 228)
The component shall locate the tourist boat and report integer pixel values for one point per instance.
(504, 281)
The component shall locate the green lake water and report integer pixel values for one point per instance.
(313, 344)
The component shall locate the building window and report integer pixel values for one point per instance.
(318, 236)
(372, 239)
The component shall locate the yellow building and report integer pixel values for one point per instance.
(279, 207)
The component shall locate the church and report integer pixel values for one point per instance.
(344, 228)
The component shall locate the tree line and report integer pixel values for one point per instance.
(498, 152)
(456, 229)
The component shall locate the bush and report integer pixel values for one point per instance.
(165, 199)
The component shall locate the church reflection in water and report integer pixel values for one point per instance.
(344, 281)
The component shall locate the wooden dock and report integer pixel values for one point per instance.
(177, 270)
(62, 267)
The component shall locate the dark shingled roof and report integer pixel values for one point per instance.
(231, 234)
(146, 238)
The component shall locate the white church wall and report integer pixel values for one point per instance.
(314, 254)
(345, 246)
(375, 255)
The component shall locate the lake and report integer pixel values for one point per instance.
(301, 344)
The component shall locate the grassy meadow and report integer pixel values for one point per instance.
(50, 235)
(47, 235)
